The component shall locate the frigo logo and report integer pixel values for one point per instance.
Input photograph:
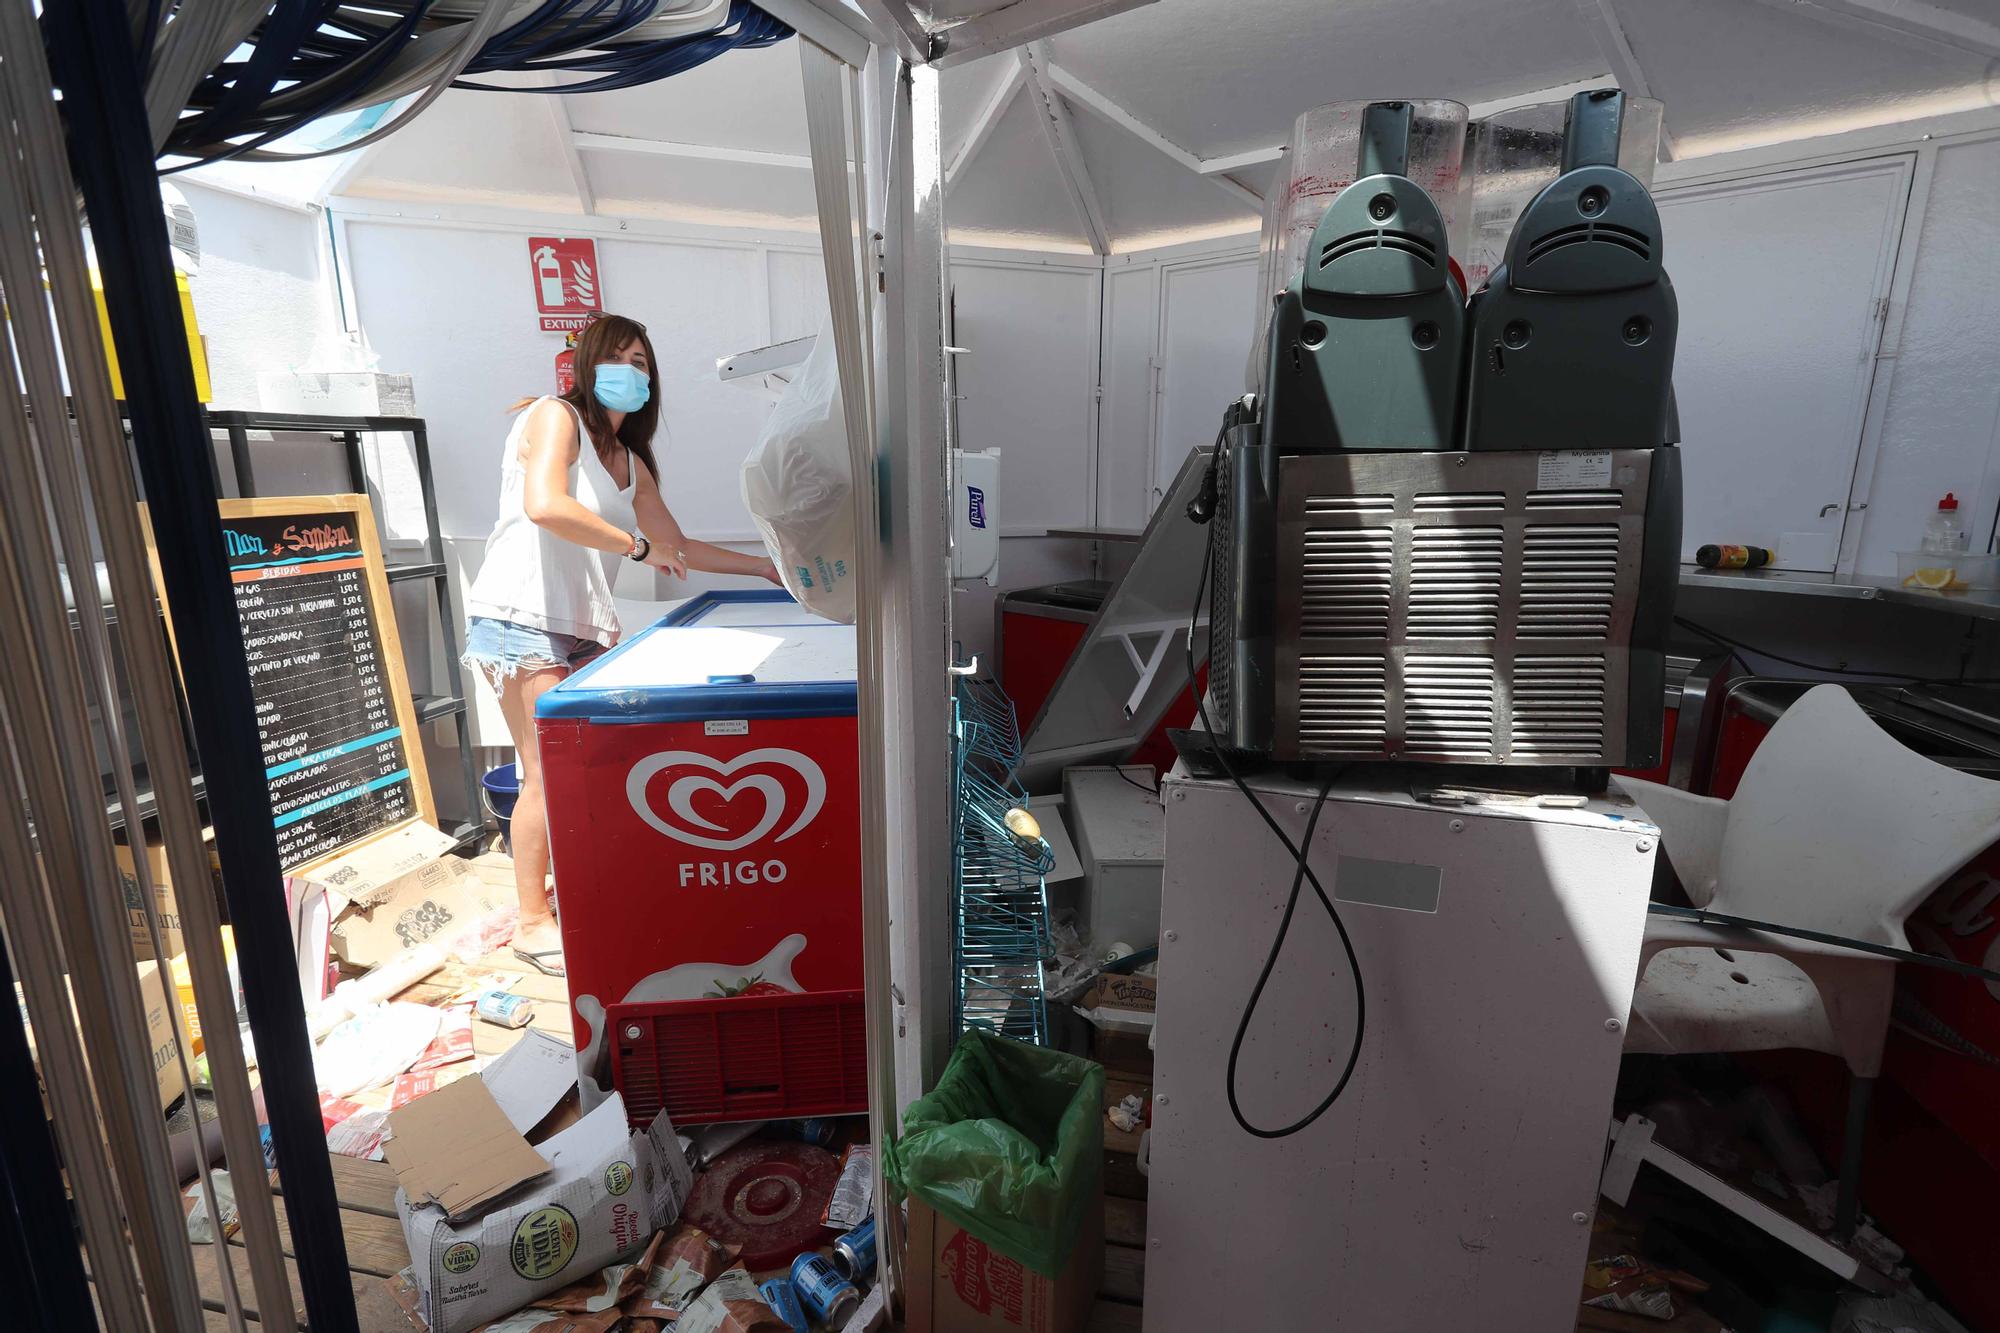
(759, 791)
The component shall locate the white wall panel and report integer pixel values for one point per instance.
(1028, 383)
(797, 294)
(1125, 421)
(1206, 312)
(1780, 279)
(452, 307)
(258, 294)
(1942, 429)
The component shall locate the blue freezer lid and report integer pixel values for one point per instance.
(761, 606)
(687, 673)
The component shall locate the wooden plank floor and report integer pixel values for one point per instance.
(1123, 1288)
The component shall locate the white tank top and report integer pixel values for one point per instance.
(533, 577)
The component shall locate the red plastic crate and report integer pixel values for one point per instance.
(745, 1057)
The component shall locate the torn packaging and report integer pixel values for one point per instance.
(606, 1192)
(732, 1304)
(684, 1263)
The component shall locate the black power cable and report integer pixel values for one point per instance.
(1301, 854)
(1907, 678)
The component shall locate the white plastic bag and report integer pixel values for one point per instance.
(796, 484)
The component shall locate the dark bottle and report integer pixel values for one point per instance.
(1732, 557)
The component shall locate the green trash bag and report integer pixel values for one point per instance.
(1007, 1145)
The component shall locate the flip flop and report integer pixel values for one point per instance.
(534, 960)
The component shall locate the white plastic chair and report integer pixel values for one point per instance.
(1836, 828)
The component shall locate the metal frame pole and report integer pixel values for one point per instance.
(38, 1240)
(102, 85)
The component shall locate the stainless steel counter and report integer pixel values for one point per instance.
(1978, 604)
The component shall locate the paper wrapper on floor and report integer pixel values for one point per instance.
(732, 1304)
(607, 1191)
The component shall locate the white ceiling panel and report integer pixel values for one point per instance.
(722, 194)
(1150, 200)
(1220, 79)
(745, 99)
(1784, 73)
(474, 147)
(963, 91)
(1013, 194)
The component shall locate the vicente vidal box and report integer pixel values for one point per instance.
(608, 1189)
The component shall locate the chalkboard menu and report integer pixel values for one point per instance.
(341, 752)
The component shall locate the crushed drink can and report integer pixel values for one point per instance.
(825, 1294)
(504, 1008)
(818, 1131)
(778, 1294)
(854, 1253)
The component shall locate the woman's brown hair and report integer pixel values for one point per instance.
(601, 341)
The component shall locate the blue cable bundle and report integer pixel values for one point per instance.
(308, 59)
(748, 28)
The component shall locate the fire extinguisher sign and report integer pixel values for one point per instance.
(568, 290)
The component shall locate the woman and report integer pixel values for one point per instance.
(579, 492)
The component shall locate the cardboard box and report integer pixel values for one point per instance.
(1121, 1009)
(182, 977)
(160, 1032)
(165, 903)
(399, 891)
(960, 1284)
(606, 1191)
(159, 1029)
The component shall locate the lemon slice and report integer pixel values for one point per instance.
(1939, 578)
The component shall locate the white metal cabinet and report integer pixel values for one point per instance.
(1121, 834)
(1783, 281)
(1453, 1184)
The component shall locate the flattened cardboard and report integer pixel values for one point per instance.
(609, 1189)
(436, 900)
(363, 874)
(531, 1077)
(456, 1149)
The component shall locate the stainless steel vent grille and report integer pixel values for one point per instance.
(1558, 705)
(1447, 706)
(1455, 582)
(1569, 578)
(1343, 704)
(1456, 607)
(1346, 581)
(1485, 501)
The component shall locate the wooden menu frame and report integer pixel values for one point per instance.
(382, 618)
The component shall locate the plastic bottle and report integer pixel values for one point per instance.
(1941, 528)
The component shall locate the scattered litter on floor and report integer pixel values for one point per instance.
(201, 1231)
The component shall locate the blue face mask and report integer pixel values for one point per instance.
(620, 387)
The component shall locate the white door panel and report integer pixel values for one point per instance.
(1781, 281)
(1205, 330)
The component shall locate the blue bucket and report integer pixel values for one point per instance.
(502, 787)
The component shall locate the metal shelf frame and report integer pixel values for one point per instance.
(433, 569)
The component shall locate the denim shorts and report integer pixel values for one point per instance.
(499, 648)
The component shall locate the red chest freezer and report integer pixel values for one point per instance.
(701, 783)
